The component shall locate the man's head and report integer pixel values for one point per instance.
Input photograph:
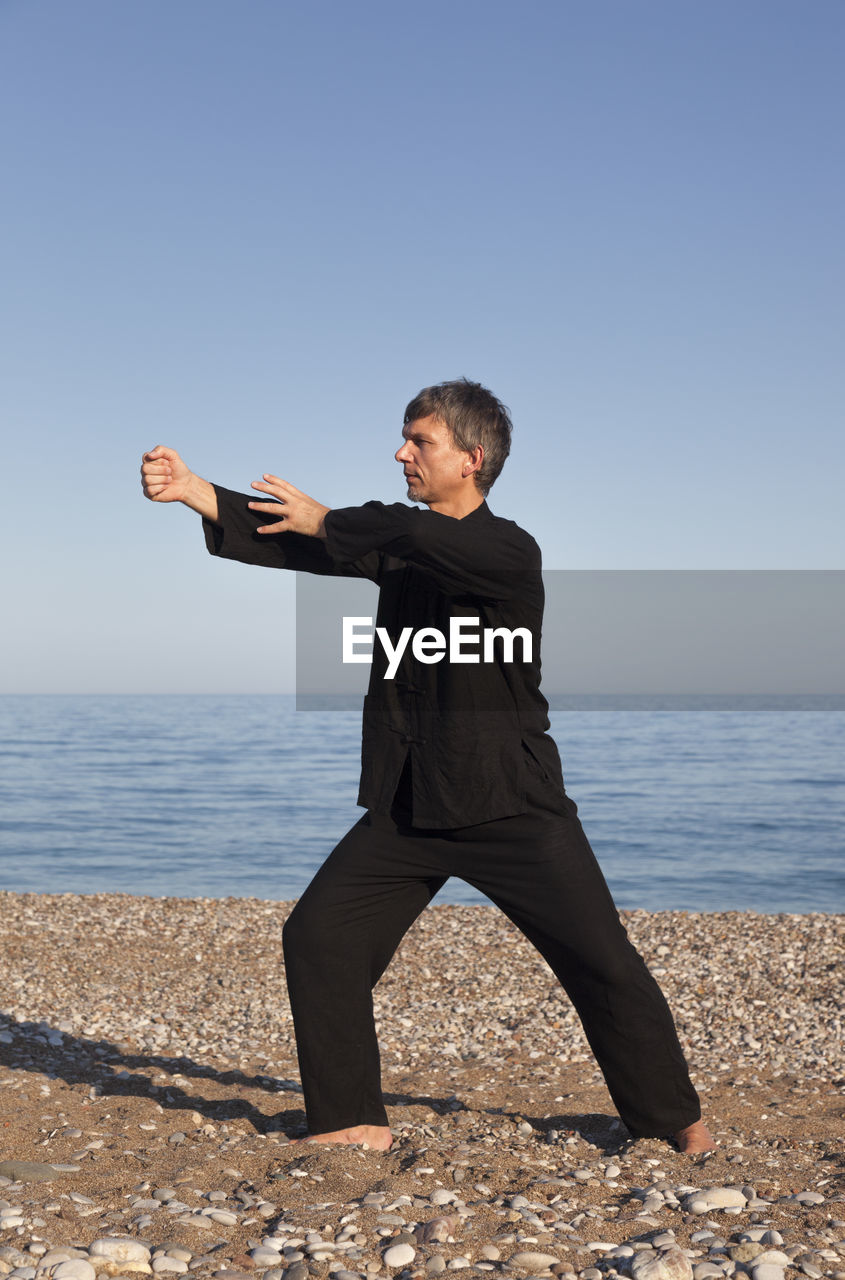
(478, 425)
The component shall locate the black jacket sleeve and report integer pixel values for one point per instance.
(232, 537)
(480, 555)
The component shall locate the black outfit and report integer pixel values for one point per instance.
(459, 777)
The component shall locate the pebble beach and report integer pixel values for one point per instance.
(149, 1092)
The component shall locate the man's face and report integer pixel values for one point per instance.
(433, 467)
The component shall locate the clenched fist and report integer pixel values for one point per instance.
(164, 476)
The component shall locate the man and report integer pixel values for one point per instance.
(459, 774)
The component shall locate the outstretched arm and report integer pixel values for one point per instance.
(166, 478)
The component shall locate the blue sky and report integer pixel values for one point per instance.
(253, 230)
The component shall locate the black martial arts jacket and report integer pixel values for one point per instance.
(472, 730)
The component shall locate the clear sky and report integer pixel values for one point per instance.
(252, 230)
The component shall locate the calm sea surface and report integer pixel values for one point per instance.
(244, 796)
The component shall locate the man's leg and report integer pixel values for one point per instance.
(540, 870)
(338, 941)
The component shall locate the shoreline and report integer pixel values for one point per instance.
(146, 1045)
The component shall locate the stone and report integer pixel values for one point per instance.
(399, 1255)
(73, 1269)
(532, 1262)
(746, 1252)
(669, 1264)
(131, 1266)
(437, 1230)
(27, 1171)
(714, 1198)
(119, 1249)
(264, 1257)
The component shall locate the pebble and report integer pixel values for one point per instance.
(669, 1264)
(714, 1198)
(27, 1171)
(73, 1269)
(264, 1257)
(526, 1260)
(399, 1255)
(119, 1249)
(297, 1271)
(767, 1271)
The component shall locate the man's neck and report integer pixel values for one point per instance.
(458, 507)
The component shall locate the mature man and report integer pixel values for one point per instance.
(459, 774)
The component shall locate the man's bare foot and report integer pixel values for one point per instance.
(695, 1138)
(378, 1137)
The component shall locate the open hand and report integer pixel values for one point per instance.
(298, 513)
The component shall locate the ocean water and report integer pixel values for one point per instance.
(686, 807)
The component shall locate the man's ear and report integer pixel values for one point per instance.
(474, 461)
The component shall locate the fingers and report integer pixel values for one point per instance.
(155, 478)
(156, 471)
(274, 484)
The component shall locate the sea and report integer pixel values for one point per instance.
(694, 805)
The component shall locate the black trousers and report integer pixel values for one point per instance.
(539, 869)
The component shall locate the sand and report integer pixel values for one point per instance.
(146, 1044)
